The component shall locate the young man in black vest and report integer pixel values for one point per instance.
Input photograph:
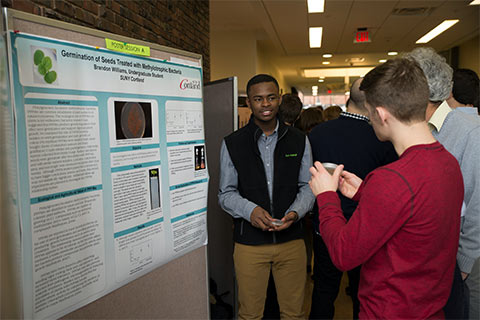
(264, 187)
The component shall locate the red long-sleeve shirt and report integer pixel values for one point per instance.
(404, 233)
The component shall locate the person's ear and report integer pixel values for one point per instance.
(382, 113)
(248, 103)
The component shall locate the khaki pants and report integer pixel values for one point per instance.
(252, 268)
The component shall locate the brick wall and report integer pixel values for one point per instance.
(181, 24)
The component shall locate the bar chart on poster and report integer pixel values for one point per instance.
(112, 168)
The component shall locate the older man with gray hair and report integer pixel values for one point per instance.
(460, 135)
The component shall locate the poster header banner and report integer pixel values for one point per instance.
(62, 65)
(127, 47)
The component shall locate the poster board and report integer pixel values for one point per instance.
(112, 172)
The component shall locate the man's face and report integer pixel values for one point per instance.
(264, 99)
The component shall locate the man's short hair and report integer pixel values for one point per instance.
(466, 87)
(259, 78)
(438, 72)
(400, 86)
(290, 108)
(357, 96)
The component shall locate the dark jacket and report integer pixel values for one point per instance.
(252, 183)
(353, 143)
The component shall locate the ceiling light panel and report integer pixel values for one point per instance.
(315, 34)
(475, 3)
(336, 72)
(315, 6)
(437, 30)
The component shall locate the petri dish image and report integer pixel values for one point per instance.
(132, 120)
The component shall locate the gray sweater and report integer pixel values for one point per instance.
(460, 135)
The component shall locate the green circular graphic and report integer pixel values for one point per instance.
(47, 63)
(50, 77)
(38, 57)
(42, 70)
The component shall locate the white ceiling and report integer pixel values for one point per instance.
(282, 26)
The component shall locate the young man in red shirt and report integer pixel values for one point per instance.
(404, 231)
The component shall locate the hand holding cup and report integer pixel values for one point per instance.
(321, 180)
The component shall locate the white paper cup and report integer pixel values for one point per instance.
(329, 166)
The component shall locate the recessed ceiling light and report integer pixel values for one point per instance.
(315, 37)
(382, 60)
(320, 80)
(437, 30)
(326, 62)
(327, 55)
(315, 6)
(474, 3)
(392, 53)
(314, 87)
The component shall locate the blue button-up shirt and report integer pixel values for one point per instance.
(237, 206)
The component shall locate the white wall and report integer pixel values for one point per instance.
(265, 65)
(233, 54)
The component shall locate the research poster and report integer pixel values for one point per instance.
(112, 168)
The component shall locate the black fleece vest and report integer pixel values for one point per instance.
(252, 183)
